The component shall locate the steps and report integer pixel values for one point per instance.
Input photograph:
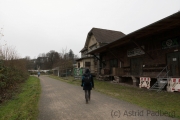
(160, 84)
(161, 80)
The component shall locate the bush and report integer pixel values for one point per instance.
(12, 73)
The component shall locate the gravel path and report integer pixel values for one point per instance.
(63, 101)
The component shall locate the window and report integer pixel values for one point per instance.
(94, 46)
(113, 63)
(78, 65)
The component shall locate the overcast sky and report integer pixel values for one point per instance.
(38, 26)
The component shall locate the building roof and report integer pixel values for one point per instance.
(165, 24)
(84, 58)
(103, 36)
(85, 48)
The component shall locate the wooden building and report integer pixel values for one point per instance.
(152, 51)
(96, 38)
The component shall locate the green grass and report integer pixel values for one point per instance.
(24, 105)
(151, 100)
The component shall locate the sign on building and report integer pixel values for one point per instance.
(169, 43)
(135, 52)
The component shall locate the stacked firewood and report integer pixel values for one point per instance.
(116, 79)
(100, 77)
(104, 77)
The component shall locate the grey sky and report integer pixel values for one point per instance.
(38, 26)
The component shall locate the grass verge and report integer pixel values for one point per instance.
(164, 102)
(23, 105)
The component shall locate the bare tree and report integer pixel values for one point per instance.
(53, 58)
(1, 33)
(27, 58)
(42, 55)
(9, 53)
(76, 56)
(65, 63)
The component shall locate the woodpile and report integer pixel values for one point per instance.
(104, 77)
(116, 79)
(117, 71)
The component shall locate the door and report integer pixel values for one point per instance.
(136, 66)
(113, 64)
(173, 62)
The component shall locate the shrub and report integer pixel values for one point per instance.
(12, 73)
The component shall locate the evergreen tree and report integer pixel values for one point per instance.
(71, 55)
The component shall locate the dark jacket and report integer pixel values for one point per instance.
(89, 86)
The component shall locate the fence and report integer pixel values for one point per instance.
(78, 72)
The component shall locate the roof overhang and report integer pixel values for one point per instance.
(165, 24)
(83, 58)
(84, 49)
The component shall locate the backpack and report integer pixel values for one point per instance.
(87, 79)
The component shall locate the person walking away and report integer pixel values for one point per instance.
(87, 84)
(38, 74)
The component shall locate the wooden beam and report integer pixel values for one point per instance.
(99, 59)
(142, 49)
(159, 28)
(118, 43)
(115, 56)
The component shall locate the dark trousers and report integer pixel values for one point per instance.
(87, 94)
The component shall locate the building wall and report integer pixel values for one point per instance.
(81, 64)
(93, 41)
(152, 45)
(83, 54)
(92, 65)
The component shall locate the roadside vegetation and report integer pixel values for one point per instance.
(24, 104)
(19, 93)
(12, 74)
(151, 100)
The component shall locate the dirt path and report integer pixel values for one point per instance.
(63, 101)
